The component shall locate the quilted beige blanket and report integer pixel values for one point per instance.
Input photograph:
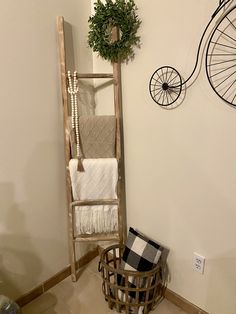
(97, 136)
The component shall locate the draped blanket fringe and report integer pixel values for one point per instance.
(96, 219)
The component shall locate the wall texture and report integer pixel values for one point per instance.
(33, 224)
(180, 164)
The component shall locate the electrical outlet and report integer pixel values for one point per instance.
(198, 263)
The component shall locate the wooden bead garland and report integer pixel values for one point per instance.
(73, 91)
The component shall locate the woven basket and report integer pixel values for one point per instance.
(148, 289)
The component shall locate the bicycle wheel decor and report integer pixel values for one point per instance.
(165, 86)
(221, 58)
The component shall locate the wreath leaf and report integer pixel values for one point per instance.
(120, 14)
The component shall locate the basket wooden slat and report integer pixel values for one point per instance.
(146, 291)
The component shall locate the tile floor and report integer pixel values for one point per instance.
(83, 297)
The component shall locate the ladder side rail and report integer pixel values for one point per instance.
(119, 143)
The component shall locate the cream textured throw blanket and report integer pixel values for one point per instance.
(97, 182)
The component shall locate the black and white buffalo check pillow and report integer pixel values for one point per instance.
(140, 254)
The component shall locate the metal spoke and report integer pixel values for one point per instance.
(162, 75)
(170, 95)
(163, 97)
(167, 98)
(209, 65)
(233, 98)
(226, 79)
(173, 79)
(229, 88)
(225, 34)
(223, 70)
(155, 89)
(166, 74)
(231, 22)
(160, 91)
(170, 76)
(160, 95)
(174, 91)
(216, 43)
(159, 78)
(221, 54)
(155, 85)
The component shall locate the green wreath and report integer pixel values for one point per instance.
(120, 14)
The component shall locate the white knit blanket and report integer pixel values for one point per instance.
(98, 181)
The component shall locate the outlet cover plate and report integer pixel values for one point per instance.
(198, 263)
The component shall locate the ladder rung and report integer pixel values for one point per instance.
(95, 75)
(95, 202)
(97, 237)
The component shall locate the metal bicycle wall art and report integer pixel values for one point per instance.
(166, 84)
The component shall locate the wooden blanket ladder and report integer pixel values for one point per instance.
(116, 77)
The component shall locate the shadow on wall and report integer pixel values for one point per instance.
(18, 262)
(45, 185)
(33, 240)
(86, 88)
(86, 99)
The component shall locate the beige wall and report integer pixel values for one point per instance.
(180, 164)
(33, 224)
(180, 170)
